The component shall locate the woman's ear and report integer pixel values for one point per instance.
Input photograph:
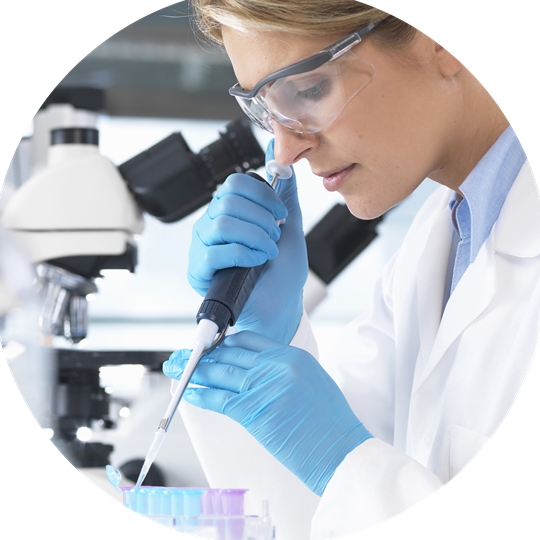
(448, 65)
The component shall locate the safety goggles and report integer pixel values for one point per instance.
(308, 95)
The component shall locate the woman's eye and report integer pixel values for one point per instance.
(315, 93)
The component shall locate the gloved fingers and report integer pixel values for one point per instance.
(235, 356)
(211, 399)
(285, 188)
(207, 373)
(222, 376)
(200, 286)
(251, 341)
(177, 362)
(203, 268)
(228, 230)
(175, 365)
(224, 402)
(254, 190)
(243, 209)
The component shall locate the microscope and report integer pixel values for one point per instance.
(78, 215)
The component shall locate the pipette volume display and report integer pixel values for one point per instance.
(220, 309)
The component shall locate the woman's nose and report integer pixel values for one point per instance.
(291, 146)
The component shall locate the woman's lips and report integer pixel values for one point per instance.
(333, 181)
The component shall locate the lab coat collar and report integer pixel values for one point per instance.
(430, 276)
(517, 231)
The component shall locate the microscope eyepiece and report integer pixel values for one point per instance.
(170, 182)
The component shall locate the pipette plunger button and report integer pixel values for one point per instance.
(283, 171)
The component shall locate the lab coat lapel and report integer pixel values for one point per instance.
(470, 299)
(430, 281)
(478, 286)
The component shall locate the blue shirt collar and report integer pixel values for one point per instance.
(485, 190)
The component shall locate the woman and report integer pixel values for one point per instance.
(417, 385)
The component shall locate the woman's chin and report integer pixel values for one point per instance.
(364, 210)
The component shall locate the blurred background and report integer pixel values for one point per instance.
(153, 77)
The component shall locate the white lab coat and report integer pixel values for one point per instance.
(432, 387)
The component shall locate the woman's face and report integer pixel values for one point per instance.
(395, 132)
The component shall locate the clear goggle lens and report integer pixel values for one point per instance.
(309, 102)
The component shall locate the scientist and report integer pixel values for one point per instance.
(416, 386)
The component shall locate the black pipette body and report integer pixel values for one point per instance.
(230, 290)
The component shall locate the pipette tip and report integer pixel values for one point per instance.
(140, 480)
(142, 474)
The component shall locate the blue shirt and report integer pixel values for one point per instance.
(484, 192)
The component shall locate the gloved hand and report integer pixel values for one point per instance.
(283, 397)
(239, 229)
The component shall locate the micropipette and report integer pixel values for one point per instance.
(221, 307)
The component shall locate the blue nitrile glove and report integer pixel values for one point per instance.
(283, 397)
(239, 229)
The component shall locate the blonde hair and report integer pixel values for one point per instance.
(308, 17)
